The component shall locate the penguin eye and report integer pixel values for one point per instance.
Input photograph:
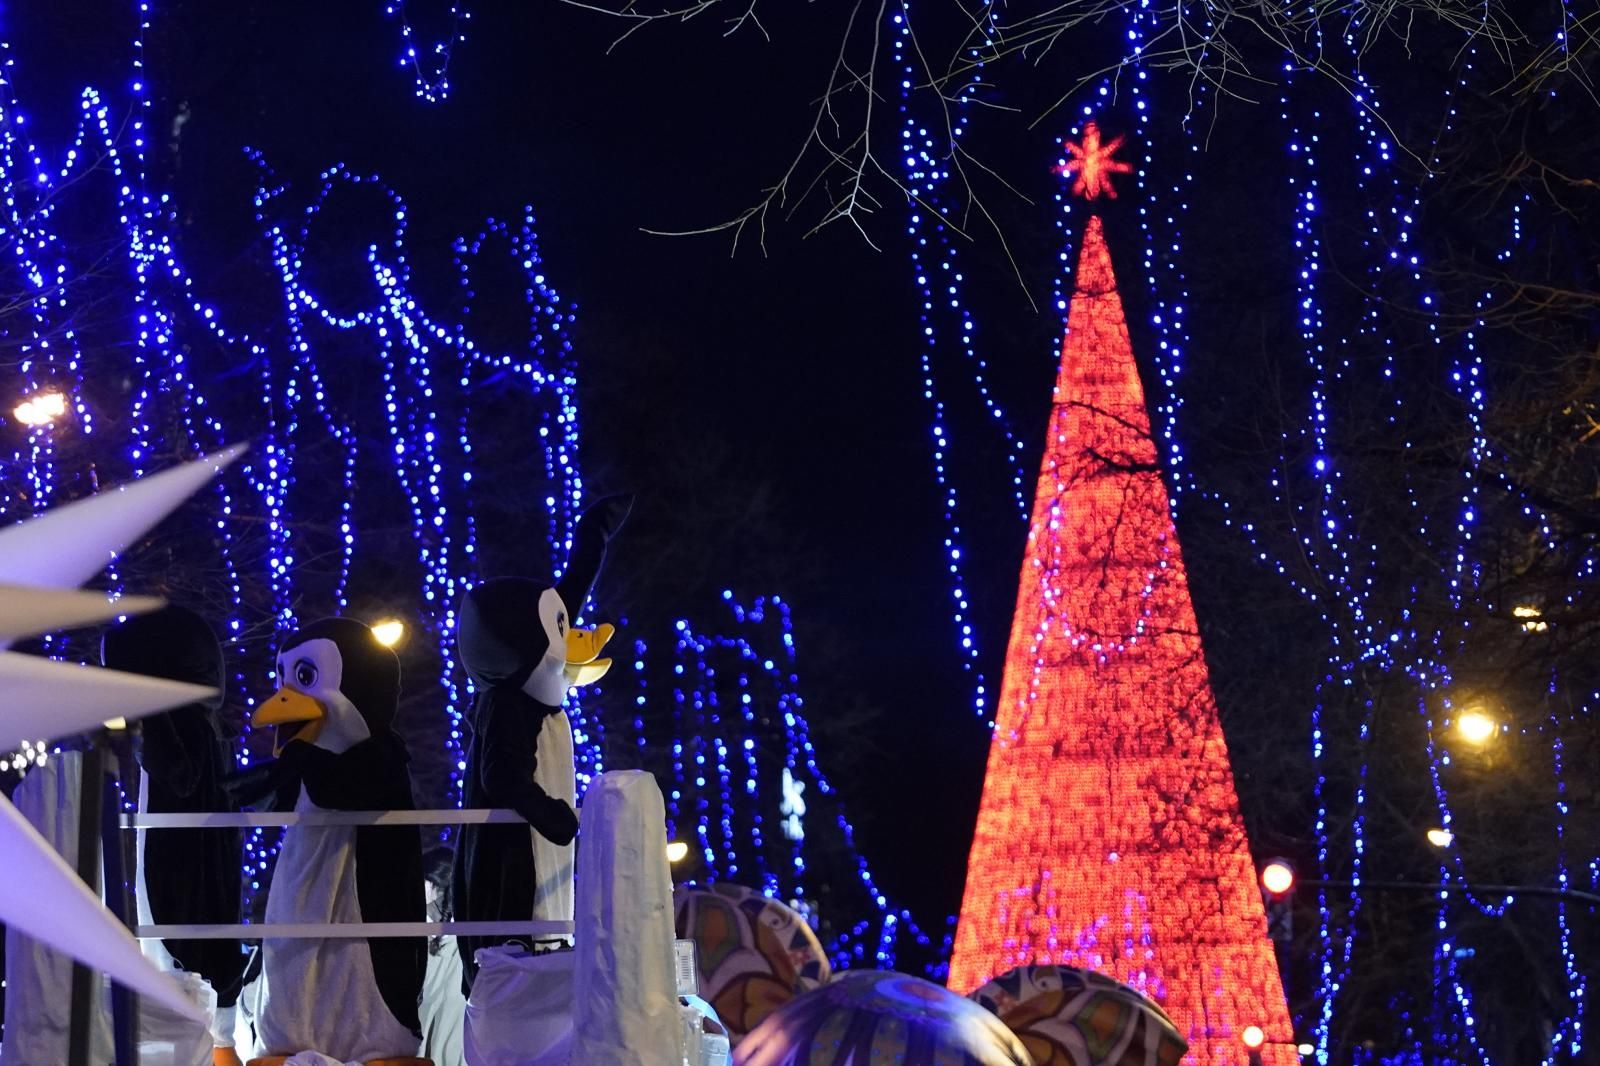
(305, 673)
(561, 623)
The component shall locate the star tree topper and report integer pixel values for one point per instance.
(1091, 160)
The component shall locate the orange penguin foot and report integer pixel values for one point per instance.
(225, 1056)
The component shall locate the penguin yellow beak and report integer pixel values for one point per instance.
(586, 673)
(584, 645)
(289, 706)
(584, 665)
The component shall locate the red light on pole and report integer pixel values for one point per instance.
(1277, 877)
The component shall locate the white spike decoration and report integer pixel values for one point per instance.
(41, 700)
(25, 609)
(72, 543)
(41, 896)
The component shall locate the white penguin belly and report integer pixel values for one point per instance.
(322, 995)
(552, 863)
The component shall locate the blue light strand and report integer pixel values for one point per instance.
(430, 67)
(946, 322)
(744, 667)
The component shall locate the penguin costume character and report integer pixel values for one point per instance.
(355, 1000)
(186, 876)
(516, 640)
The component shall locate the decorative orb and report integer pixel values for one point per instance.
(868, 1018)
(1065, 1016)
(754, 953)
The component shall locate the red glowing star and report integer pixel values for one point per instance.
(1092, 163)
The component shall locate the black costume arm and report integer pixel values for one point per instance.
(268, 785)
(507, 780)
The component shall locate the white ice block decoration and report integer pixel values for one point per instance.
(42, 699)
(41, 896)
(71, 543)
(625, 1003)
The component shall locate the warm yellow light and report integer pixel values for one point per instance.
(389, 632)
(1530, 616)
(677, 851)
(1277, 877)
(1253, 1037)
(1440, 838)
(1305, 1049)
(1476, 727)
(40, 409)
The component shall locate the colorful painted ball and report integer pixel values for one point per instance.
(1071, 1017)
(755, 953)
(864, 1018)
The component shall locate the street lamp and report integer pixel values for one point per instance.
(1253, 1037)
(1277, 877)
(1440, 838)
(40, 409)
(677, 851)
(1476, 727)
(390, 631)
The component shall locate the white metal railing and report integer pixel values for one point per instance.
(252, 820)
(328, 931)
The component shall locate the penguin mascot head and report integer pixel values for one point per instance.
(337, 687)
(173, 643)
(517, 632)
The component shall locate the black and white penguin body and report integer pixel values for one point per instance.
(516, 639)
(351, 999)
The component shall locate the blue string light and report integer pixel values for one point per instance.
(929, 160)
(430, 67)
(733, 695)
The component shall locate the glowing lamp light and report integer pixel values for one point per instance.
(1440, 838)
(41, 409)
(390, 631)
(1305, 1050)
(1530, 617)
(677, 851)
(1476, 727)
(1253, 1037)
(1277, 877)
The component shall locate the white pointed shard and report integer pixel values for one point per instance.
(43, 699)
(26, 611)
(42, 897)
(73, 542)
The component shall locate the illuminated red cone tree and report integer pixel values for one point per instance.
(1109, 835)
